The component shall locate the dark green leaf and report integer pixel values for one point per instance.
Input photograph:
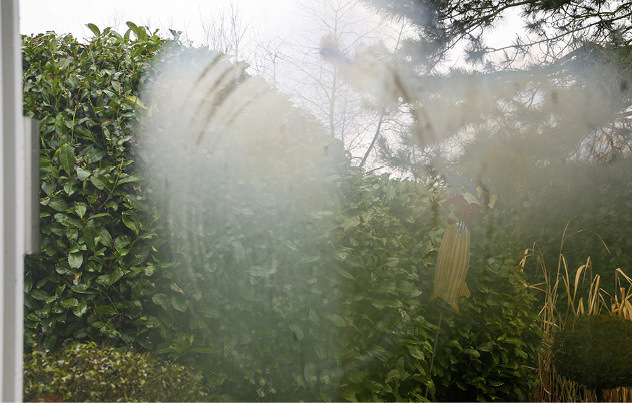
(75, 260)
(59, 204)
(95, 30)
(67, 158)
(70, 303)
(80, 209)
(178, 304)
(99, 183)
(129, 223)
(80, 308)
(82, 174)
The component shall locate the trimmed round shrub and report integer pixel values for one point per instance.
(87, 372)
(595, 351)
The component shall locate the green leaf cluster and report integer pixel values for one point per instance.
(334, 305)
(582, 206)
(250, 226)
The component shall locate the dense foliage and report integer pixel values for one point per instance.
(98, 242)
(274, 295)
(87, 372)
(484, 353)
(593, 218)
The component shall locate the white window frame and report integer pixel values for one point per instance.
(13, 159)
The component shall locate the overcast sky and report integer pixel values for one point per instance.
(70, 16)
(268, 18)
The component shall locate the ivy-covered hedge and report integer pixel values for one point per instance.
(275, 294)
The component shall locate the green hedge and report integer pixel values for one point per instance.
(249, 211)
(588, 203)
(308, 279)
(98, 252)
(487, 352)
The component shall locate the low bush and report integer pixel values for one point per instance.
(595, 351)
(87, 372)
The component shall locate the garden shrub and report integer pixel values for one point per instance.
(88, 372)
(584, 206)
(595, 350)
(99, 244)
(343, 312)
(391, 238)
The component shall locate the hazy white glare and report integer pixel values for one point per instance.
(210, 115)
(537, 116)
(245, 184)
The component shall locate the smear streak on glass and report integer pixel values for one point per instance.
(245, 183)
